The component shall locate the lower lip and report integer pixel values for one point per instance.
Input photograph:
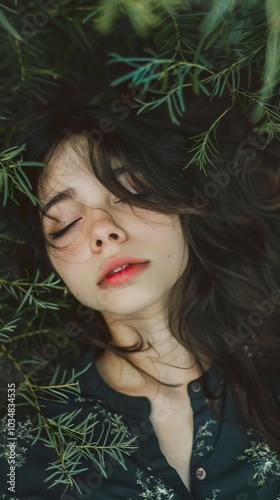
(123, 275)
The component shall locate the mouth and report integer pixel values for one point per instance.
(123, 273)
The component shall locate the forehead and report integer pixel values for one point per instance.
(70, 170)
(69, 157)
(68, 165)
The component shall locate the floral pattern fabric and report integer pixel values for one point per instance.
(228, 462)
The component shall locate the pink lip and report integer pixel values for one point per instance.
(136, 266)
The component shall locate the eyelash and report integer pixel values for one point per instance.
(119, 200)
(62, 232)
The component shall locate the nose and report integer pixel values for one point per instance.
(104, 231)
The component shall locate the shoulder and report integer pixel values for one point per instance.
(70, 425)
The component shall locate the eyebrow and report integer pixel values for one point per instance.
(58, 198)
(71, 193)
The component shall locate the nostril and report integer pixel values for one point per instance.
(114, 236)
(98, 243)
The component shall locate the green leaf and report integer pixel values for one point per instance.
(5, 23)
(216, 15)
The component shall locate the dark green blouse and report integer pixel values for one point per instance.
(229, 462)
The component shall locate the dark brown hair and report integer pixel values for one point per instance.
(230, 304)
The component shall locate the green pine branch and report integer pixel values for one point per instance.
(28, 290)
(266, 116)
(204, 148)
(169, 49)
(67, 435)
(12, 175)
(7, 328)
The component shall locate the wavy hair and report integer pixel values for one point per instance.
(229, 309)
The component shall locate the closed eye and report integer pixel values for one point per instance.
(119, 200)
(62, 232)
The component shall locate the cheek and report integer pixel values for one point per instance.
(76, 278)
(179, 249)
(55, 260)
(175, 236)
(65, 270)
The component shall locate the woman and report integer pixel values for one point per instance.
(182, 273)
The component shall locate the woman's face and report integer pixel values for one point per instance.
(95, 233)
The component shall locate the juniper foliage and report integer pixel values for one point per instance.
(171, 51)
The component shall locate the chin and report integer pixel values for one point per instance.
(125, 309)
(131, 305)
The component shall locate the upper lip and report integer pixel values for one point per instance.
(114, 262)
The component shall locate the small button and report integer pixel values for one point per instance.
(200, 473)
(195, 387)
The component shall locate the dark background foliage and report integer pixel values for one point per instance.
(167, 59)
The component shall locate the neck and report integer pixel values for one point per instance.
(162, 356)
